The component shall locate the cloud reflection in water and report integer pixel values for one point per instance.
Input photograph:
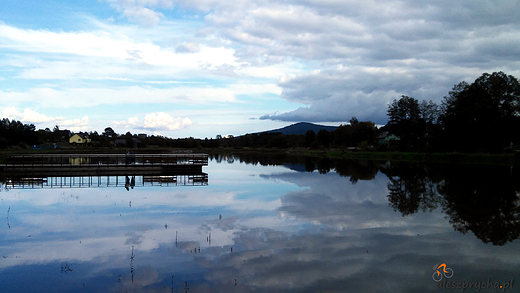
(288, 230)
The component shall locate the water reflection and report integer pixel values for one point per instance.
(481, 199)
(92, 181)
(485, 201)
(296, 225)
(410, 189)
(356, 170)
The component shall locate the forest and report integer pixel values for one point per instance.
(483, 116)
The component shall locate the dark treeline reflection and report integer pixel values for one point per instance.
(483, 199)
(356, 170)
(412, 188)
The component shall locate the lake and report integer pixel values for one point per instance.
(266, 224)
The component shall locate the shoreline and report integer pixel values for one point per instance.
(449, 158)
(446, 158)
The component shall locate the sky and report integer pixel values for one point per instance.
(200, 68)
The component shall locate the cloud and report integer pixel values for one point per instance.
(90, 97)
(130, 123)
(187, 47)
(98, 43)
(163, 121)
(366, 56)
(136, 11)
(29, 116)
(108, 53)
(335, 95)
(364, 53)
(155, 122)
(143, 15)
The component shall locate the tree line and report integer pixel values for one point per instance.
(481, 116)
(14, 132)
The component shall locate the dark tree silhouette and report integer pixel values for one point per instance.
(408, 120)
(324, 137)
(15, 132)
(310, 137)
(109, 132)
(482, 115)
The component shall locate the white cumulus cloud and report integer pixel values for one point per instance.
(164, 121)
(187, 47)
(29, 116)
(155, 122)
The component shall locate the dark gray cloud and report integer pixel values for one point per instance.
(337, 95)
(367, 53)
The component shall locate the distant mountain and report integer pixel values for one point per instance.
(301, 128)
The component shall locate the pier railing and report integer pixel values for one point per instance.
(108, 160)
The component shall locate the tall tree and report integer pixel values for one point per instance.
(406, 121)
(324, 137)
(483, 115)
(129, 140)
(429, 112)
(364, 131)
(310, 137)
(109, 132)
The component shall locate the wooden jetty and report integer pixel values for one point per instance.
(103, 164)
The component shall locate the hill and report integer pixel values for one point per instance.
(301, 128)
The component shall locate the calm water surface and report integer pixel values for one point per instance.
(266, 225)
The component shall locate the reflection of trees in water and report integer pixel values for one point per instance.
(310, 165)
(356, 170)
(252, 158)
(411, 190)
(481, 199)
(324, 165)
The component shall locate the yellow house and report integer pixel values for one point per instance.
(79, 138)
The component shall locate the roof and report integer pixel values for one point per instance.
(83, 135)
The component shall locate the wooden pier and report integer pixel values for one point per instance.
(103, 164)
